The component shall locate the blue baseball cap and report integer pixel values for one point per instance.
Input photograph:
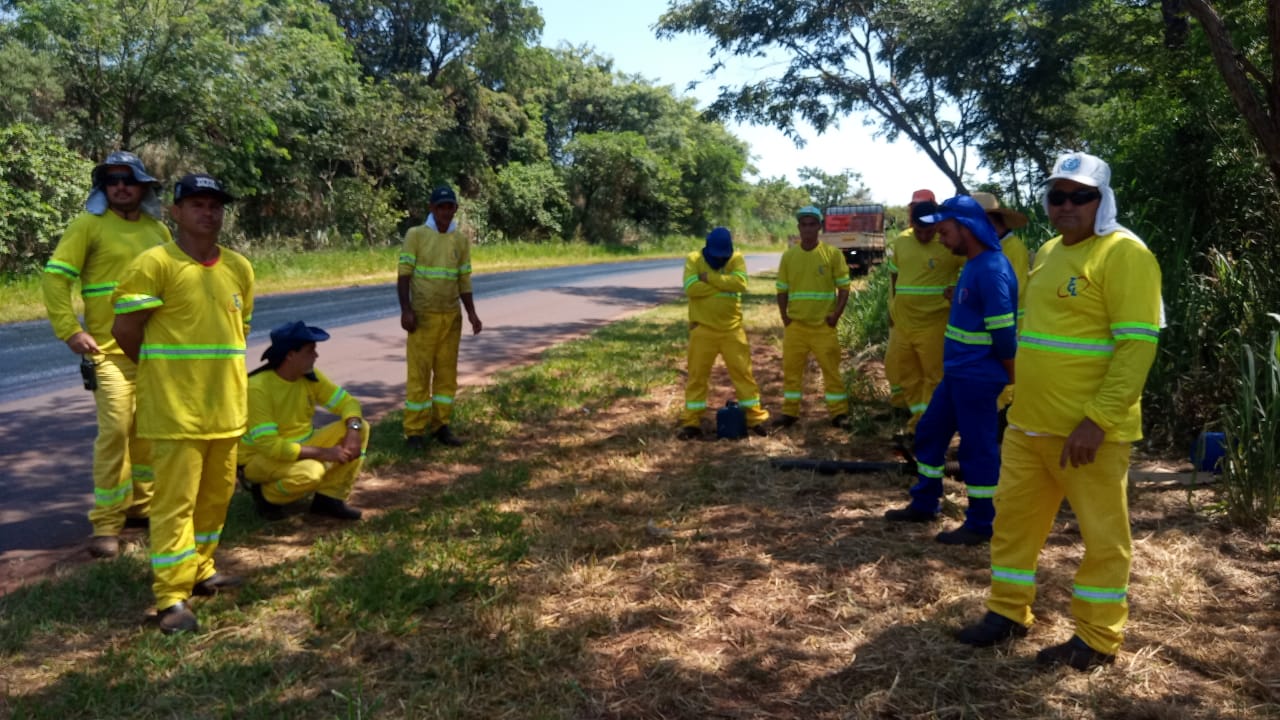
(201, 184)
(809, 211)
(969, 213)
(443, 194)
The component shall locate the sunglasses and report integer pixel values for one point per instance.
(1077, 197)
(126, 179)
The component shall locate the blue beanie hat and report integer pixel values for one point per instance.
(969, 213)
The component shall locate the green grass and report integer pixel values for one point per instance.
(286, 270)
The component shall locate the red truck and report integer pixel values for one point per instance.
(858, 231)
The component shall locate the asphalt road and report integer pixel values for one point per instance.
(47, 421)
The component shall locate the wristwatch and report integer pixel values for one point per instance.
(355, 424)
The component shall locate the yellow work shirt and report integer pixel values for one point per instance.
(95, 249)
(191, 376)
(716, 303)
(924, 271)
(1015, 251)
(810, 279)
(1088, 338)
(281, 413)
(440, 265)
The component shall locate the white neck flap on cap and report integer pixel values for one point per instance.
(431, 223)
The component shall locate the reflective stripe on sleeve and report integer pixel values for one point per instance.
(57, 267)
(338, 396)
(133, 303)
(97, 289)
(997, 322)
(968, 338)
(1144, 332)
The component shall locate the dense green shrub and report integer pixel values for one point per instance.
(42, 185)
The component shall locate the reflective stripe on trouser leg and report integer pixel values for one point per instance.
(978, 421)
(1026, 502)
(118, 490)
(444, 378)
(703, 348)
(194, 483)
(933, 436)
(284, 482)
(1097, 494)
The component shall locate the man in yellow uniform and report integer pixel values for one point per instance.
(921, 270)
(182, 313)
(284, 456)
(813, 288)
(1087, 341)
(433, 275)
(120, 221)
(714, 279)
(1005, 221)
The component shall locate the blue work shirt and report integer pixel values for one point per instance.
(982, 326)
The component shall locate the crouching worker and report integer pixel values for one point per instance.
(283, 456)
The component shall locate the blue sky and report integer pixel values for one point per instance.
(623, 30)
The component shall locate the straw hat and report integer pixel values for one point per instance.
(1012, 218)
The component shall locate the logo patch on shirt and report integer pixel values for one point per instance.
(962, 296)
(236, 306)
(1073, 286)
(822, 271)
(933, 263)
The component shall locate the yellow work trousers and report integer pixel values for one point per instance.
(705, 344)
(798, 340)
(194, 483)
(121, 460)
(1028, 496)
(913, 365)
(287, 481)
(432, 355)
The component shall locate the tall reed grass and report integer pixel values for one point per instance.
(1251, 423)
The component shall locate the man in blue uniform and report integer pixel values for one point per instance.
(977, 364)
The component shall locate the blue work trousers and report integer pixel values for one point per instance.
(969, 407)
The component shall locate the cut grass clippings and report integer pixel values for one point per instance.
(574, 560)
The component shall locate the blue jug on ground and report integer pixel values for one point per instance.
(731, 422)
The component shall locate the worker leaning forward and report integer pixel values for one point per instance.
(977, 365)
(120, 221)
(714, 279)
(182, 313)
(813, 288)
(1088, 340)
(433, 275)
(921, 270)
(1006, 221)
(284, 456)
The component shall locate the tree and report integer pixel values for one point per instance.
(42, 184)
(827, 189)
(616, 181)
(841, 57)
(1256, 95)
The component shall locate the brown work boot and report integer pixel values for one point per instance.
(104, 546)
(177, 618)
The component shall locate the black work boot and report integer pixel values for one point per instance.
(216, 583)
(689, 432)
(909, 514)
(267, 510)
(992, 629)
(962, 536)
(445, 436)
(333, 507)
(1074, 653)
(176, 619)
